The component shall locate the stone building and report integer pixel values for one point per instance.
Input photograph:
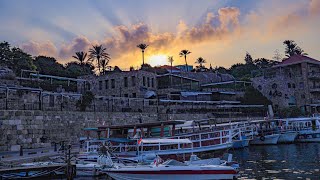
(133, 84)
(293, 82)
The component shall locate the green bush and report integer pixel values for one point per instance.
(86, 100)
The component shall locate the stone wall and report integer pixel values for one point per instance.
(34, 129)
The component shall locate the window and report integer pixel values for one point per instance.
(148, 81)
(133, 80)
(106, 84)
(301, 85)
(134, 95)
(126, 95)
(289, 85)
(303, 96)
(260, 87)
(144, 81)
(51, 100)
(125, 81)
(113, 83)
(293, 85)
(100, 85)
(152, 82)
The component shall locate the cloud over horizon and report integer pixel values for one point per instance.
(218, 30)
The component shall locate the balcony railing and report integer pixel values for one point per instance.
(314, 75)
(314, 88)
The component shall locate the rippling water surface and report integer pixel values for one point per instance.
(287, 161)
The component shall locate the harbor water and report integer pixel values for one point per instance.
(282, 161)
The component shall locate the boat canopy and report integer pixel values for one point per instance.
(166, 141)
(118, 140)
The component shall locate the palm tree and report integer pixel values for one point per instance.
(81, 57)
(142, 47)
(170, 60)
(103, 64)
(292, 48)
(98, 53)
(184, 53)
(200, 61)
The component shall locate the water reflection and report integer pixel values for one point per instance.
(288, 161)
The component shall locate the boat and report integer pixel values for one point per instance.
(265, 139)
(126, 145)
(170, 169)
(265, 132)
(88, 169)
(307, 129)
(287, 137)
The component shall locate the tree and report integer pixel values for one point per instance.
(75, 69)
(221, 70)
(248, 58)
(98, 53)
(15, 58)
(49, 66)
(21, 60)
(103, 64)
(262, 63)
(291, 48)
(201, 61)
(170, 60)
(143, 47)
(85, 101)
(81, 57)
(277, 56)
(5, 54)
(184, 53)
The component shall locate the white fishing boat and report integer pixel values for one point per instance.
(307, 129)
(170, 169)
(128, 137)
(265, 139)
(265, 132)
(287, 137)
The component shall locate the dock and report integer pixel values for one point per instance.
(52, 171)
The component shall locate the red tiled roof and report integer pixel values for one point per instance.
(296, 59)
(169, 67)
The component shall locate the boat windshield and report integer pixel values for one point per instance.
(173, 162)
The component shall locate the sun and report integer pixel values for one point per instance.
(158, 60)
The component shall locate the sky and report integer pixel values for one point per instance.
(220, 31)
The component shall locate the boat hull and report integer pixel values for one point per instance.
(172, 174)
(88, 170)
(312, 137)
(287, 137)
(246, 142)
(268, 139)
(125, 176)
(240, 143)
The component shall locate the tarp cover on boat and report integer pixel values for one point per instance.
(120, 140)
(166, 141)
(186, 124)
(150, 94)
